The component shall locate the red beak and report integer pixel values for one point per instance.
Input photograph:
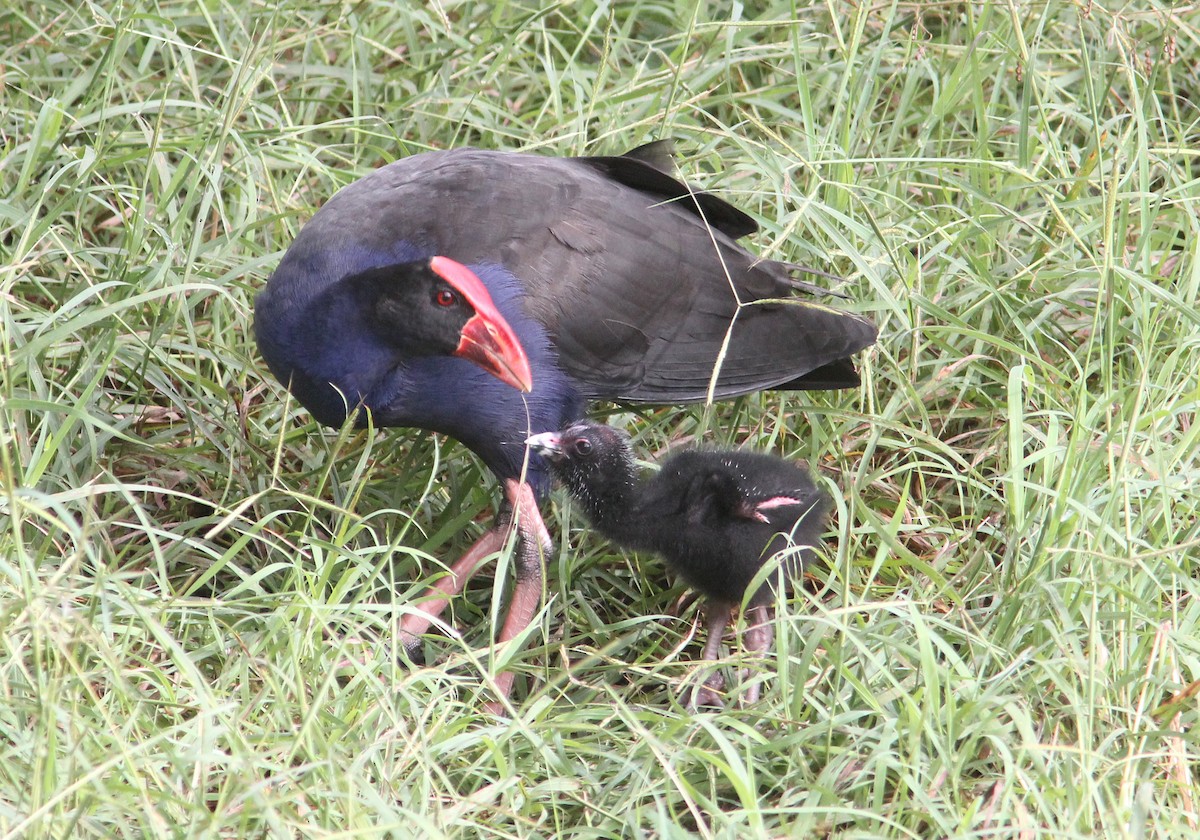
(487, 339)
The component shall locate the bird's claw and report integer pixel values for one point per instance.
(709, 694)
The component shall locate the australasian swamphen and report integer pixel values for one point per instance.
(715, 516)
(620, 282)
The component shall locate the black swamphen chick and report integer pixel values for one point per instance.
(716, 517)
(620, 282)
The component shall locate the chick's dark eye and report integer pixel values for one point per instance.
(445, 297)
(583, 446)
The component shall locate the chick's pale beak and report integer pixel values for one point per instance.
(547, 444)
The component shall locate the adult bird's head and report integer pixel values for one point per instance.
(439, 307)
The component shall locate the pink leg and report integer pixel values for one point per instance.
(437, 597)
(717, 617)
(533, 547)
(759, 634)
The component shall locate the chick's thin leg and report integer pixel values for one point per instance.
(708, 693)
(757, 639)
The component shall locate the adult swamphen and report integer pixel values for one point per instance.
(715, 516)
(620, 282)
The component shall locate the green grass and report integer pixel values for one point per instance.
(199, 587)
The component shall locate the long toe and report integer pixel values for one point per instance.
(710, 694)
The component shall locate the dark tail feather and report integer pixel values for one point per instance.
(830, 377)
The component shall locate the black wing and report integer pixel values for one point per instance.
(641, 296)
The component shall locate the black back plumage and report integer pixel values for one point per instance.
(728, 512)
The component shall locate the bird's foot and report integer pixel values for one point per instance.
(709, 694)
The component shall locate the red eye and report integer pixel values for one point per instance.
(445, 297)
